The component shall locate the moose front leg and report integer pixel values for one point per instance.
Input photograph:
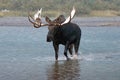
(56, 48)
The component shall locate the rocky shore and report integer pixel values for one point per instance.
(14, 21)
(82, 21)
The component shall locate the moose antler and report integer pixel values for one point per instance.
(36, 21)
(70, 17)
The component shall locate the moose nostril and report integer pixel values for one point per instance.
(49, 40)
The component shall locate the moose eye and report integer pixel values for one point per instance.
(58, 19)
(55, 21)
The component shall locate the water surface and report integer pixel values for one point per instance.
(25, 55)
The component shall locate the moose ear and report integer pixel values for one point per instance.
(47, 19)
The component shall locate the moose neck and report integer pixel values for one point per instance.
(57, 33)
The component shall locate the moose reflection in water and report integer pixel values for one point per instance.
(67, 70)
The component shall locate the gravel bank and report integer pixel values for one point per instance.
(82, 21)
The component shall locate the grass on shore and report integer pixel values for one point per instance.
(106, 13)
(21, 13)
(98, 13)
(12, 13)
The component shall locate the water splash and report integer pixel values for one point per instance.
(101, 57)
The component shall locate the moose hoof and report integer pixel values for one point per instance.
(75, 57)
(68, 59)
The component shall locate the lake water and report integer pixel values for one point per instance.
(25, 55)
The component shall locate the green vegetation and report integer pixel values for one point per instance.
(56, 7)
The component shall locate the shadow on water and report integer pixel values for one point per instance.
(65, 70)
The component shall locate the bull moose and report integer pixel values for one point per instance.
(61, 31)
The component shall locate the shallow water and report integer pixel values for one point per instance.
(25, 55)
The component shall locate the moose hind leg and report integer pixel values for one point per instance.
(76, 47)
(71, 49)
(65, 51)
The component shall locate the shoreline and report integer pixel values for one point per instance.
(81, 21)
